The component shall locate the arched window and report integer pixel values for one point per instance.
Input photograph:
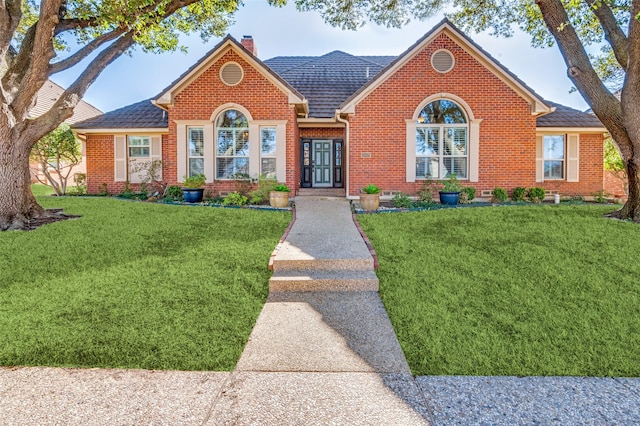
(232, 144)
(442, 141)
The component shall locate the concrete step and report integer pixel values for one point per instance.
(322, 192)
(284, 263)
(323, 280)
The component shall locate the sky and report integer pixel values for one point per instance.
(287, 32)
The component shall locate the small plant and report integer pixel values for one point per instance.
(499, 195)
(518, 193)
(468, 194)
(194, 182)
(425, 195)
(371, 189)
(600, 196)
(243, 184)
(234, 199)
(261, 194)
(174, 192)
(80, 179)
(281, 188)
(402, 200)
(452, 184)
(103, 190)
(536, 194)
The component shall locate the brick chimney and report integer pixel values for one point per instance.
(247, 42)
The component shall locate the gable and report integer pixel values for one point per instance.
(440, 35)
(228, 45)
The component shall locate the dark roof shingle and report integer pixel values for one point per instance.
(139, 115)
(565, 116)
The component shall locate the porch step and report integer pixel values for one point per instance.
(323, 280)
(285, 263)
(322, 192)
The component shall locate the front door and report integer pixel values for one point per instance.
(322, 163)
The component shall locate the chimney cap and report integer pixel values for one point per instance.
(247, 36)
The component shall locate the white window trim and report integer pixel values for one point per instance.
(571, 160)
(182, 154)
(122, 159)
(281, 147)
(473, 137)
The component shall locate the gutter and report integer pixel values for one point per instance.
(346, 150)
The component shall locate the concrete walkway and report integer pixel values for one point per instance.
(322, 352)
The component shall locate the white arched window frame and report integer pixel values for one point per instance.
(256, 129)
(472, 133)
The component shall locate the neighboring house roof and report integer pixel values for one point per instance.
(335, 81)
(327, 81)
(564, 116)
(50, 93)
(141, 115)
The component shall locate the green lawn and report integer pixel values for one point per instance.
(135, 285)
(539, 290)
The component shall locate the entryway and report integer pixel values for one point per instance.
(322, 163)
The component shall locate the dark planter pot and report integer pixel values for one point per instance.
(449, 198)
(192, 195)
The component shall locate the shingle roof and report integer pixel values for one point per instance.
(326, 81)
(139, 115)
(49, 93)
(565, 116)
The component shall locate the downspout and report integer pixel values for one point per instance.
(346, 145)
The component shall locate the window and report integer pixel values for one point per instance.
(268, 152)
(232, 148)
(139, 146)
(442, 141)
(196, 150)
(554, 156)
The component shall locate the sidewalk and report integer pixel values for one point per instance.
(322, 352)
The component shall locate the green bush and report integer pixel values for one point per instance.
(468, 193)
(261, 194)
(536, 194)
(234, 199)
(600, 196)
(173, 192)
(518, 193)
(371, 189)
(425, 195)
(499, 195)
(452, 184)
(402, 200)
(195, 181)
(103, 190)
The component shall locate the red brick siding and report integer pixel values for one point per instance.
(507, 144)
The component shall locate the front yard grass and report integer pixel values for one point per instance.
(540, 290)
(135, 285)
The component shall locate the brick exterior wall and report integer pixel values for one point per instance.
(507, 132)
(507, 144)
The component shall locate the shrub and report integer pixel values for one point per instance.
(498, 195)
(195, 181)
(243, 184)
(469, 192)
(452, 184)
(600, 196)
(401, 200)
(173, 192)
(234, 199)
(518, 193)
(103, 190)
(425, 195)
(261, 194)
(536, 194)
(281, 188)
(371, 189)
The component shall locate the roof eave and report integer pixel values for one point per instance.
(114, 130)
(570, 129)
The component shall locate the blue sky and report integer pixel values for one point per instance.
(287, 32)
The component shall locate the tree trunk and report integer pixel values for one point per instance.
(631, 209)
(17, 203)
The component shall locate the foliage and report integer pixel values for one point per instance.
(195, 181)
(173, 192)
(234, 199)
(111, 301)
(261, 194)
(80, 181)
(536, 194)
(281, 188)
(518, 193)
(103, 190)
(57, 153)
(371, 189)
(520, 290)
(427, 191)
(149, 172)
(600, 196)
(468, 194)
(402, 200)
(499, 195)
(614, 164)
(452, 184)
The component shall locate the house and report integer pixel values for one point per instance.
(48, 94)
(342, 121)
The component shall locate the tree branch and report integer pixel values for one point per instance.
(580, 70)
(631, 88)
(612, 31)
(84, 51)
(63, 108)
(10, 16)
